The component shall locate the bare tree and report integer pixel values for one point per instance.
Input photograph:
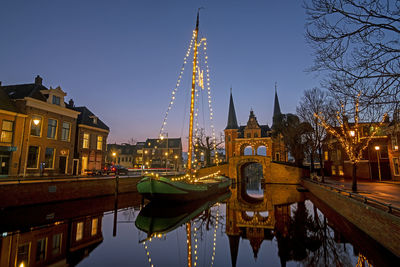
(357, 42)
(205, 145)
(351, 138)
(132, 141)
(314, 101)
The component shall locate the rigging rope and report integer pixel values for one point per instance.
(175, 90)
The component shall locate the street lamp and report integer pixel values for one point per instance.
(115, 157)
(352, 133)
(143, 152)
(36, 122)
(377, 148)
(176, 163)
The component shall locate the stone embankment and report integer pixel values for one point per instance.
(378, 220)
(44, 191)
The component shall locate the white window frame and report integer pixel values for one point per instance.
(55, 133)
(84, 139)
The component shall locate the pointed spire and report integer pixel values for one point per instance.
(277, 108)
(234, 248)
(232, 121)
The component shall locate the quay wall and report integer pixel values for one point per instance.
(378, 224)
(35, 192)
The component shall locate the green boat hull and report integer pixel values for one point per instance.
(161, 218)
(164, 189)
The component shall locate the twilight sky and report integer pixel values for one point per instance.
(121, 59)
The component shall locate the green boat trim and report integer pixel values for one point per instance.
(152, 222)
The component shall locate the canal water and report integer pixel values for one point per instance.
(253, 225)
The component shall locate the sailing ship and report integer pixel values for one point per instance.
(188, 187)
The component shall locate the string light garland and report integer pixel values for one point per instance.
(349, 137)
(175, 90)
(209, 99)
(215, 236)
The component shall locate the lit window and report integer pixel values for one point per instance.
(326, 155)
(94, 226)
(396, 166)
(23, 254)
(65, 132)
(52, 129)
(6, 131)
(99, 142)
(49, 158)
(33, 157)
(333, 170)
(340, 167)
(56, 100)
(79, 231)
(36, 125)
(85, 140)
(41, 249)
(56, 248)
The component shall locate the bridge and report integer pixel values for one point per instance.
(273, 172)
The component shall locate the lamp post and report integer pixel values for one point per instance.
(143, 152)
(36, 122)
(115, 157)
(377, 148)
(176, 163)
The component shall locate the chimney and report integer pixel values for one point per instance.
(38, 80)
(71, 103)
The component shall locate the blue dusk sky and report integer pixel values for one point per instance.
(121, 59)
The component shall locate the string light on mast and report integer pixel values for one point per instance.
(209, 100)
(175, 90)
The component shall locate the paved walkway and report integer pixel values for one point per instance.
(387, 192)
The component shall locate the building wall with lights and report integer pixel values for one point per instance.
(12, 123)
(379, 160)
(39, 132)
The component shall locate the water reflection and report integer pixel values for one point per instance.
(258, 225)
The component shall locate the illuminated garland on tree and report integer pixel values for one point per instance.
(349, 137)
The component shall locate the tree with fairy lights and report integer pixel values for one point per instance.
(351, 138)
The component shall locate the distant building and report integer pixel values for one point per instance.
(125, 155)
(91, 141)
(48, 133)
(165, 153)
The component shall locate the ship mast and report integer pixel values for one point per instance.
(190, 146)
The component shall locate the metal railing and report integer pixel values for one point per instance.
(366, 200)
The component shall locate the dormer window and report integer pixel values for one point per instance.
(94, 118)
(56, 100)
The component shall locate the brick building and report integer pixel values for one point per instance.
(42, 135)
(91, 141)
(48, 133)
(380, 160)
(252, 138)
(11, 128)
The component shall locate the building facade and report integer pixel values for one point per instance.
(48, 132)
(252, 138)
(12, 123)
(40, 133)
(91, 141)
(379, 161)
(163, 153)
